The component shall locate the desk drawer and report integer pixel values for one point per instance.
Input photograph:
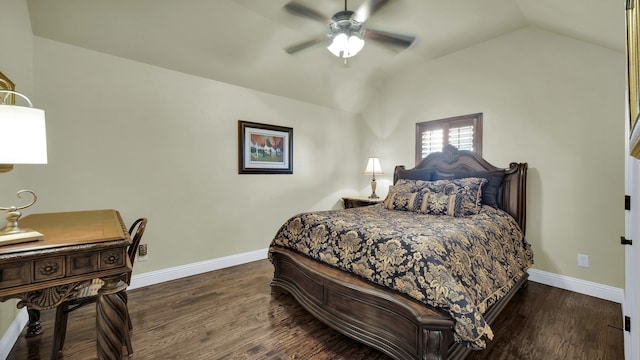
(113, 258)
(82, 263)
(15, 275)
(48, 269)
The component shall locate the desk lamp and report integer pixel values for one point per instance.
(373, 168)
(23, 140)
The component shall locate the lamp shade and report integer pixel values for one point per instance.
(23, 138)
(373, 166)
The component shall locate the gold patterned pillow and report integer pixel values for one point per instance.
(402, 200)
(440, 204)
(408, 185)
(469, 190)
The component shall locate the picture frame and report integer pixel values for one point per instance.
(633, 75)
(264, 148)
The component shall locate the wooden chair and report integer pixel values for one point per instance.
(89, 295)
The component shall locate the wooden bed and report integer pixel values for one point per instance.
(389, 321)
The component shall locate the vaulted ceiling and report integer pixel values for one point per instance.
(241, 41)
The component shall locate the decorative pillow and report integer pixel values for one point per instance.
(489, 191)
(408, 185)
(469, 190)
(402, 200)
(440, 204)
(394, 189)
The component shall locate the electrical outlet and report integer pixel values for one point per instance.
(583, 260)
(142, 252)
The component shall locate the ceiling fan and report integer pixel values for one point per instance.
(346, 33)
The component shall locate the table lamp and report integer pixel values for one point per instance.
(23, 140)
(373, 168)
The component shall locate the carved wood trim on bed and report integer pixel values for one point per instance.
(399, 326)
(393, 323)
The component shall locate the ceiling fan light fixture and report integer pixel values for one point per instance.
(346, 30)
(345, 46)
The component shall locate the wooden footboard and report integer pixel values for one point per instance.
(397, 325)
(383, 319)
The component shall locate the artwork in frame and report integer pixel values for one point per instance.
(264, 148)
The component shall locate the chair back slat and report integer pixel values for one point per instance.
(138, 227)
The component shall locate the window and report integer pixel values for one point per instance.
(463, 132)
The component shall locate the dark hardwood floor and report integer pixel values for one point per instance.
(231, 314)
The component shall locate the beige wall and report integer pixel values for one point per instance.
(16, 62)
(548, 100)
(157, 143)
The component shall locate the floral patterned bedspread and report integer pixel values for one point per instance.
(460, 264)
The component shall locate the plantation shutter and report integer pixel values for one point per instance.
(432, 141)
(463, 132)
(461, 137)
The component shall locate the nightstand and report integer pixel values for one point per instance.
(358, 201)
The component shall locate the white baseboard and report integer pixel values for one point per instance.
(13, 333)
(601, 291)
(160, 276)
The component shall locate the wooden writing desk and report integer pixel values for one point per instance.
(78, 247)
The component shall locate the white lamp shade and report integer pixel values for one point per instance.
(23, 135)
(373, 166)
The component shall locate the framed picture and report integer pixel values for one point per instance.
(264, 149)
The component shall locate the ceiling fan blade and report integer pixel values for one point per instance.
(398, 40)
(305, 44)
(296, 8)
(367, 9)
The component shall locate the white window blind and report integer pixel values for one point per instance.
(432, 141)
(461, 137)
(463, 132)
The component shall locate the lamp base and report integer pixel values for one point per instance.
(373, 190)
(21, 236)
(11, 233)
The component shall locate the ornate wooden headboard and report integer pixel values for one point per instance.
(512, 194)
